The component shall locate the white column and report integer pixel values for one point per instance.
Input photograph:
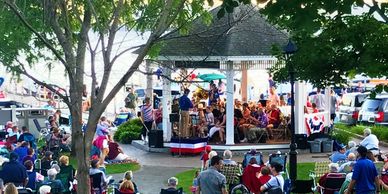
(166, 101)
(229, 104)
(149, 88)
(327, 106)
(300, 102)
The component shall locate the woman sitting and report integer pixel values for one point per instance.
(127, 186)
(66, 173)
(250, 176)
(220, 126)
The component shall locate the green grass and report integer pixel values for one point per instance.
(185, 179)
(113, 168)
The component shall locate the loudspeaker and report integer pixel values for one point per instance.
(155, 139)
(301, 141)
(174, 117)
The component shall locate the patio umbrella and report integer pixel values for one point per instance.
(211, 76)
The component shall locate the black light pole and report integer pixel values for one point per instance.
(288, 51)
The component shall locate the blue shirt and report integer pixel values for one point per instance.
(337, 156)
(185, 103)
(364, 173)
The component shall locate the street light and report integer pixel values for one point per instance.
(290, 49)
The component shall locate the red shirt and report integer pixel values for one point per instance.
(250, 179)
(264, 179)
(274, 117)
(113, 150)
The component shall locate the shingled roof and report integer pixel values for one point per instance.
(243, 33)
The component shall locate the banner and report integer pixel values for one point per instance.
(188, 146)
(314, 123)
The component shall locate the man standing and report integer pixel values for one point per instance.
(184, 106)
(147, 117)
(319, 100)
(130, 101)
(365, 176)
(211, 181)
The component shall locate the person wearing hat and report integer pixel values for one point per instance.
(184, 106)
(365, 178)
(14, 172)
(339, 155)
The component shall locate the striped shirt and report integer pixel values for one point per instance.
(147, 113)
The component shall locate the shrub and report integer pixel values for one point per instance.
(341, 136)
(128, 131)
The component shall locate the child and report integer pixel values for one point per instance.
(205, 156)
(195, 183)
(264, 175)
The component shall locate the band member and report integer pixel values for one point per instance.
(184, 105)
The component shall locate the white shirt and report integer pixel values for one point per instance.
(319, 100)
(274, 182)
(370, 142)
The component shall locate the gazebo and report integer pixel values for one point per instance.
(239, 41)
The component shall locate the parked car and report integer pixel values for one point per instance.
(375, 111)
(350, 106)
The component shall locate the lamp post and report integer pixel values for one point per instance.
(290, 49)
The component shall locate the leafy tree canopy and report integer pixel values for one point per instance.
(333, 42)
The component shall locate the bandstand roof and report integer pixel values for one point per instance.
(242, 35)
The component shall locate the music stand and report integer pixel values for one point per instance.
(174, 117)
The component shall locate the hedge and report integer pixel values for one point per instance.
(379, 130)
(128, 131)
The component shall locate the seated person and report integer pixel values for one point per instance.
(172, 184)
(115, 151)
(352, 148)
(13, 171)
(56, 185)
(249, 176)
(338, 155)
(95, 169)
(30, 156)
(345, 166)
(220, 126)
(46, 162)
(277, 180)
(127, 185)
(260, 121)
(33, 177)
(228, 158)
(333, 173)
(348, 178)
(273, 119)
(22, 151)
(264, 176)
(370, 141)
(66, 172)
(202, 127)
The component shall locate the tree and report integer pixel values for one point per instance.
(47, 31)
(334, 42)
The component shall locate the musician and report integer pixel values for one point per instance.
(184, 105)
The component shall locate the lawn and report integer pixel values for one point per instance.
(113, 168)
